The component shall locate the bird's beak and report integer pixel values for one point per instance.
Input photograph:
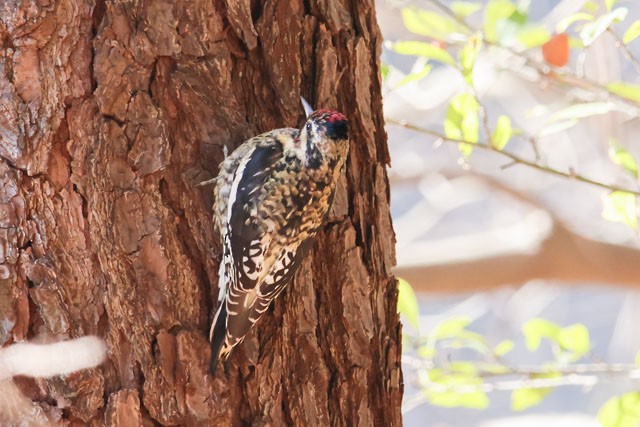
(308, 109)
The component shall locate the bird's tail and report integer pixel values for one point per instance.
(217, 336)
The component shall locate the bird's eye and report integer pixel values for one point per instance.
(309, 127)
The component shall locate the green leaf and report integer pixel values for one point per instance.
(632, 32)
(494, 12)
(621, 411)
(471, 340)
(524, 398)
(575, 338)
(593, 30)
(502, 133)
(426, 352)
(533, 36)
(566, 22)
(468, 56)
(609, 4)
(625, 90)
(575, 43)
(425, 50)
(408, 304)
(494, 368)
(620, 206)
(431, 24)
(580, 111)
(463, 367)
(384, 71)
(591, 6)
(414, 76)
(503, 348)
(450, 328)
(463, 9)
(521, 15)
(462, 121)
(622, 157)
(452, 398)
(536, 329)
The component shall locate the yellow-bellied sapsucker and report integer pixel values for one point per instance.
(271, 196)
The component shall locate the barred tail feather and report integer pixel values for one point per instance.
(217, 336)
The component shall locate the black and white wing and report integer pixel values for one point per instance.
(252, 270)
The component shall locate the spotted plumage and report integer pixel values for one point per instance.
(271, 196)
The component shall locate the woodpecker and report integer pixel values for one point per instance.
(272, 195)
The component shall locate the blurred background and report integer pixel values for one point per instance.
(498, 242)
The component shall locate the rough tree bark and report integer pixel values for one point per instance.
(110, 113)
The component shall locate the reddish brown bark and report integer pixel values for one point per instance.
(111, 113)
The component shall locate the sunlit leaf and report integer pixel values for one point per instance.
(502, 133)
(556, 50)
(575, 338)
(524, 398)
(566, 22)
(426, 352)
(470, 340)
(536, 329)
(415, 76)
(593, 30)
(591, 6)
(622, 157)
(462, 121)
(621, 411)
(575, 43)
(503, 348)
(620, 206)
(625, 90)
(494, 368)
(462, 9)
(521, 15)
(556, 127)
(384, 71)
(425, 50)
(450, 328)
(632, 32)
(431, 24)
(580, 111)
(533, 36)
(452, 398)
(468, 56)
(494, 12)
(463, 367)
(408, 303)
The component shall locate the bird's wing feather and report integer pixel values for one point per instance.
(249, 235)
(249, 240)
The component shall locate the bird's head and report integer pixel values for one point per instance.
(326, 134)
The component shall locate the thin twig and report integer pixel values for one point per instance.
(586, 375)
(520, 160)
(600, 368)
(625, 50)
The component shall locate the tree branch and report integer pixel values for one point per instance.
(585, 375)
(515, 158)
(625, 50)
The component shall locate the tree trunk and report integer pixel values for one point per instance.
(111, 113)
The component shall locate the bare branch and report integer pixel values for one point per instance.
(625, 50)
(515, 158)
